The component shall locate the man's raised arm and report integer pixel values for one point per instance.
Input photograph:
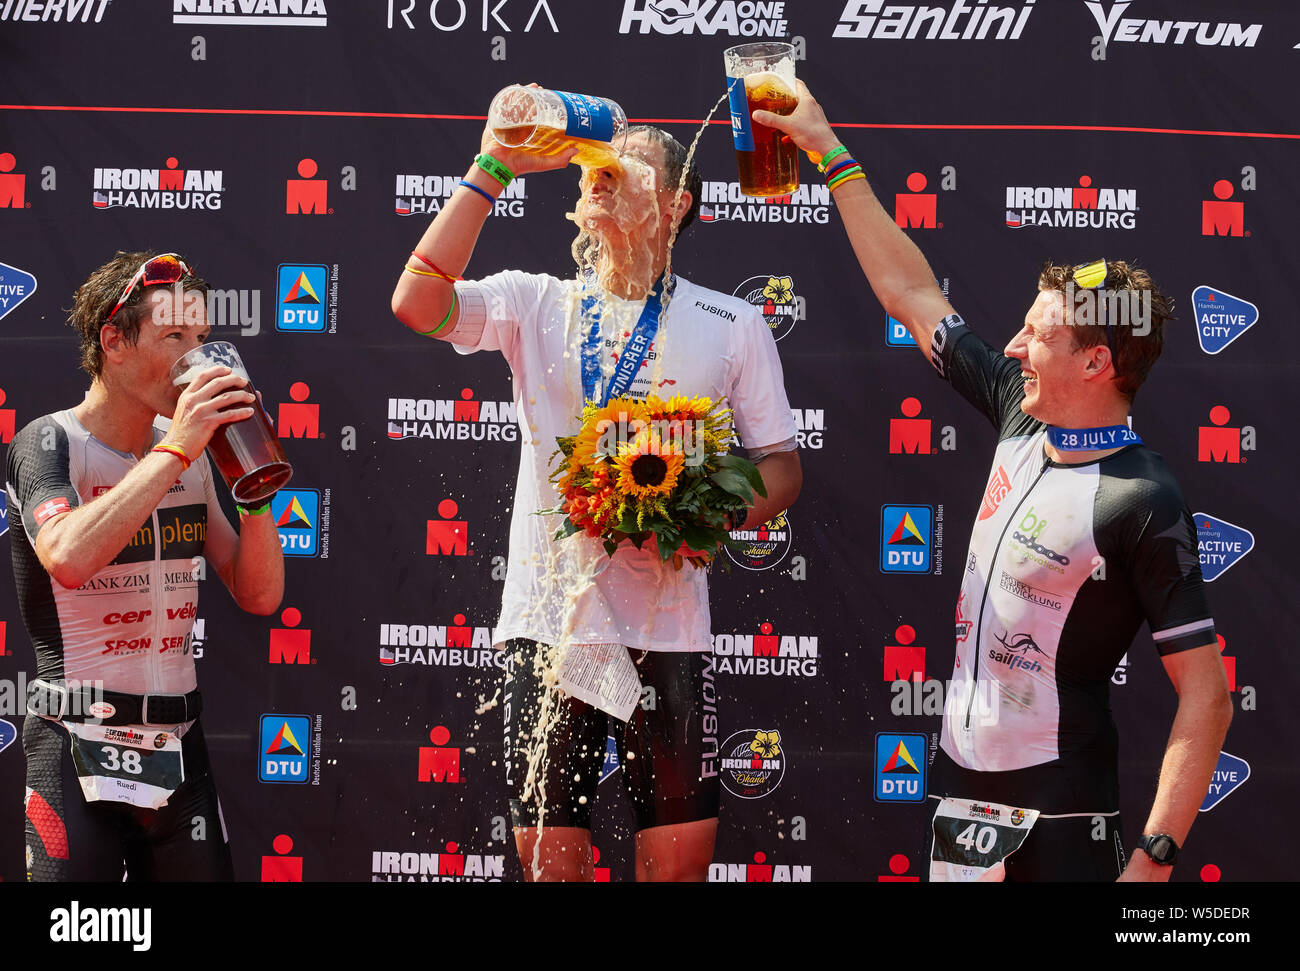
(899, 275)
(423, 298)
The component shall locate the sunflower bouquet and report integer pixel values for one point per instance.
(658, 468)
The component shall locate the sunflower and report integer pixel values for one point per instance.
(647, 466)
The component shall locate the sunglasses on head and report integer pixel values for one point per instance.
(1092, 276)
(165, 268)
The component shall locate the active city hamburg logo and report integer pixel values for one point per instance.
(1220, 544)
(15, 286)
(1221, 318)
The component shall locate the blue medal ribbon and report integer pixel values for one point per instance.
(629, 362)
(1092, 439)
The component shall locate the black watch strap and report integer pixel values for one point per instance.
(1161, 847)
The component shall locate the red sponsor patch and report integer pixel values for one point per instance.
(997, 490)
(49, 509)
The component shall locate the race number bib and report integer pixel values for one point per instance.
(973, 839)
(142, 768)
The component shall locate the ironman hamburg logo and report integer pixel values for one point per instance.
(776, 300)
(753, 763)
(900, 768)
(761, 548)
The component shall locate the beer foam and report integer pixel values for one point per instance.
(183, 380)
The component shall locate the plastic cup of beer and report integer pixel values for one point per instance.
(762, 76)
(545, 122)
(247, 452)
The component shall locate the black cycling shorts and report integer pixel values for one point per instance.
(667, 751)
(71, 839)
(1082, 846)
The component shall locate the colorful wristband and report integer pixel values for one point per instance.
(483, 192)
(842, 165)
(254, 510)
(848, 178)
(432, 266)
(854, 169)
(495, 169)
(174, 450)
(450, 310)
(833, 153)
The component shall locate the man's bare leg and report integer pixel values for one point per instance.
(679, 853)
(565, 855)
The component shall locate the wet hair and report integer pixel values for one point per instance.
(1134, 354)
(674, 162)
(96, 297)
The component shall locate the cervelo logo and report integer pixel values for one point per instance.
(258, 13)
(33, 11)
(739, 19)
(170, 187)
(724, 201)
(451, 645)
(1083, 206)
(1116, 28)
(452, 14)
(451, 866)
(960, 20)
(766, 653)
(463, 419)
(425, 194)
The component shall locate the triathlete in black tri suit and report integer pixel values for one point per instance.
(114, 514)
(1082, 535)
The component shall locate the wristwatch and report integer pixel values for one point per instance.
(1160, 847)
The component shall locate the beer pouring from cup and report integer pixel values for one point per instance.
(220, 409)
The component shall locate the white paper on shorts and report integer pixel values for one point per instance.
(602, 675)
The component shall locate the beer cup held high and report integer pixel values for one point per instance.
(762, 76)
(545, 122)
(247, 453)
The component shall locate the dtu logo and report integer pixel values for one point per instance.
(918, 209)
(910, 435)
(284, 757)
(289, 644)
(904, 661)
(900, 767)
(298, 418)
(1223, 215)
(447, 536)
(1217, 442)
(905, 537)
(303, 297)
(438, 762)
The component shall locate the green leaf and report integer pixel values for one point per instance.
(746, 468)
(734, 482)
(568, 529)
(610, 547)
(700, 537)
(567, 444)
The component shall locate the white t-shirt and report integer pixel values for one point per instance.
(707, 344)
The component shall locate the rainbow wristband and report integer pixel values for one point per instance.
(846, 174)
(843, 164)
(495, 169)
(174, 450)
(825, 159)
(450, 310)
(851, 177)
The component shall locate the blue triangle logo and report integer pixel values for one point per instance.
(7, 734)
(1220, 544)
(1229, 774)
(15, 286)
(4, 512)
(1221, 318)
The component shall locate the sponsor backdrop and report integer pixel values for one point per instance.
(295, 149)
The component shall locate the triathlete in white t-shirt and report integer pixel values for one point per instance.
(704, 343)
